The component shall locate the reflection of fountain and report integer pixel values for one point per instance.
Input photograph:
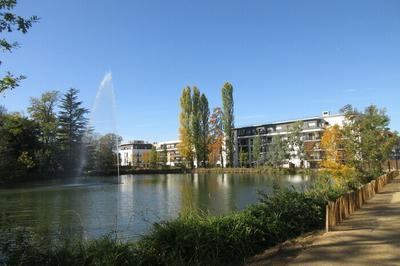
(102, 119)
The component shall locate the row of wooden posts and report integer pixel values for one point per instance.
(348, 203)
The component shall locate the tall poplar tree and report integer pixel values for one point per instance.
(216, 137)
(72, 127)
(185, 135)
(204, 112)
(195, 124)
(228, 120)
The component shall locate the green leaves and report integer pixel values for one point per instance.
(10, 22)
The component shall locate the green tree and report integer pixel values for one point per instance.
(72, 127)
(366, 139)
(216, 137)
(106, 156)
(153, 158)
(42, 110)
(164, 155)
(18, 143)
(195, 124)
(256, 152)
(228, 120)
(277, 152)
(10, 22)
(185, 133)
(295, 142)
(204, 114)
(243, 159)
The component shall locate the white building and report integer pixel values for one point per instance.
(171, 148)
(313, 128)
(135, 153)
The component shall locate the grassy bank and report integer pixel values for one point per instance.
(257, 170)
(127, 171)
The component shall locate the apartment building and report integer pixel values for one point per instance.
(135, 153)
(312, 130)
(171, 147)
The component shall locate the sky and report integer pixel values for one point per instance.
(285, 59)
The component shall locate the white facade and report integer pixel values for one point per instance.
(134, 153)
(312, 130)
(173, 156)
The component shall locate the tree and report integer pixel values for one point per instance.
(256, 152)
(42, 110)
(295, 142)
(10, 22)
(331, 144)
(106, 155)
(204, 114)
(228, 120)
(72, 127)
(277, 152)
(195, 125)
(164, 155)
(185, 134)
(243, 159)
(153, 158)
(216, 137)
(18, 143)
(366, 139)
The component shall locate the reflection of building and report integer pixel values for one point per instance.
(171, 149)
(135, 153)
(312, 130)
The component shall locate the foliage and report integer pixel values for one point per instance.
(204, 138)
(256, 152)
(243, 158)
(10, 22)
(164, 155)
(228, 120)
(216, 137)
(153, 158)
(42, 110)
(195, 122)
(295, 141)
(105, 156)
(72, 128)
(185, 129)
(367, 140)
(18, 145)
(277, 153)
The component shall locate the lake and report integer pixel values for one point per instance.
(93, 206)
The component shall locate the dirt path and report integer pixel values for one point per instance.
(371, 236)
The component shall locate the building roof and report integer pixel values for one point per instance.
(289, 121)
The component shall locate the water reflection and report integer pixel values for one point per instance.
(93, 206)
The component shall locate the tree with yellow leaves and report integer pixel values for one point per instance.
(333, 157)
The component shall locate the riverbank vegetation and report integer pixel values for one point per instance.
(191, 239)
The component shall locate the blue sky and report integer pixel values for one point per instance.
(285, 59)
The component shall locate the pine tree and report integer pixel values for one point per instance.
(72, 127)
(228, 120)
